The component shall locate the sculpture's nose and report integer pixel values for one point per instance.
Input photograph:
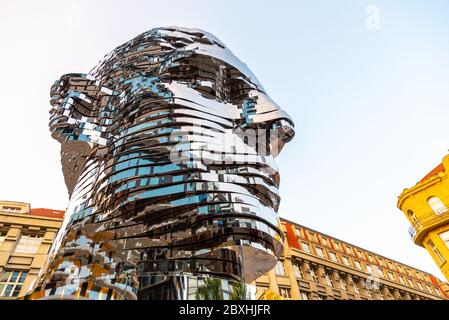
(260, 112)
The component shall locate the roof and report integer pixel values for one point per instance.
(438, 169)
(50, 213)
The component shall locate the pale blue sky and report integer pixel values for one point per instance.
(371, 107)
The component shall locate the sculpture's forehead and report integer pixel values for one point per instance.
(181, 42)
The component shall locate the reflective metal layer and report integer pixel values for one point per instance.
(167, 150)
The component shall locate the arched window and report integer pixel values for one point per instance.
(437, 205)
(416, 223)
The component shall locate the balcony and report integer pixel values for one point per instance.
(426, 221)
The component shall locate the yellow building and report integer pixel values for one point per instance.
(316, 266)
(425, 206)
(26, 236)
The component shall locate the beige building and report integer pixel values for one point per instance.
(316, 266)
(26, 236)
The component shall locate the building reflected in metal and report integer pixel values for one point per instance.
(167, 150)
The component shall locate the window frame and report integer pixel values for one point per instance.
(297, 272)
(319, 249)
(28, 244)
(305, 245)
(15, 285)
(436, 252)
(437, 205)
(286, 290)
(278, 267)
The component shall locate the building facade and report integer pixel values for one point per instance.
(26, 236)
(426, 205)
(316, 266)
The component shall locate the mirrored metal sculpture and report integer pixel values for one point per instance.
(167, 150)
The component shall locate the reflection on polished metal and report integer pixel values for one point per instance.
(167, 150)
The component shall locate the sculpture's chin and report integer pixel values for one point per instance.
(257, 262)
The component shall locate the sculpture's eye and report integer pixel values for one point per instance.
(209, 76)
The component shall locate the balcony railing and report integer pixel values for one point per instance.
(430, 218)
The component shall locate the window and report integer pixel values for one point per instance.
(391, 276)
(401, 279)
(356, 288)
(437, 205)
(368, 292)
(410, 282)
(337, 245)
(11, 282)
(381, 263)
(370, 258)
(437, 291)
(319, 252)
(369, 269)
(328, 280)
(305, 247)
(304, 295)
(420, 285)
(312, 236)
(359, 253)
(313, 275)
(349, 249)
(342, 283)
(324, 241)
(444, 236)
(298, 232)
(346, 261)
(415, 220)
(297, 271)
(428, 288)
(28, 244)
(380, 272)
(285, 292)
(261, 288)
(11, 209)
(279, 269)
(357, 264)
(436, 252)
(333, 256)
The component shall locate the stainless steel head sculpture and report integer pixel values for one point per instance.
(167, 150)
